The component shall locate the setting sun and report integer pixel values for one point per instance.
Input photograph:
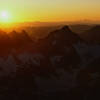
(5, 17)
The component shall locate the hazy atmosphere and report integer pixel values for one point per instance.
(50, 10)
(49, 49)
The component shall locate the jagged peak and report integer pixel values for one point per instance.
(13, 32)
(23, 31)
(66, 28)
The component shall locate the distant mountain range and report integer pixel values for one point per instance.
(61, 43)
(63, 63)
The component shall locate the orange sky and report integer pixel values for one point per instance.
(49, 10)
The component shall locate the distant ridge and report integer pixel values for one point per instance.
(58, 40)
(92, 35)
(64, 34)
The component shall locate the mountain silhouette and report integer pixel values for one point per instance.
(59, 66)
(58, 40)
(4, 38)
(20, 39)
(64, 35)
(5, 43)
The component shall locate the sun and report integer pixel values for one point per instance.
(4, 14)
(5, 17)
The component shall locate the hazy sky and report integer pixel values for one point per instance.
(51, 10)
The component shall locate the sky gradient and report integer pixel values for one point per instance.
(51, 10)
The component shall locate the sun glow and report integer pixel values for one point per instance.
(5, 17)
